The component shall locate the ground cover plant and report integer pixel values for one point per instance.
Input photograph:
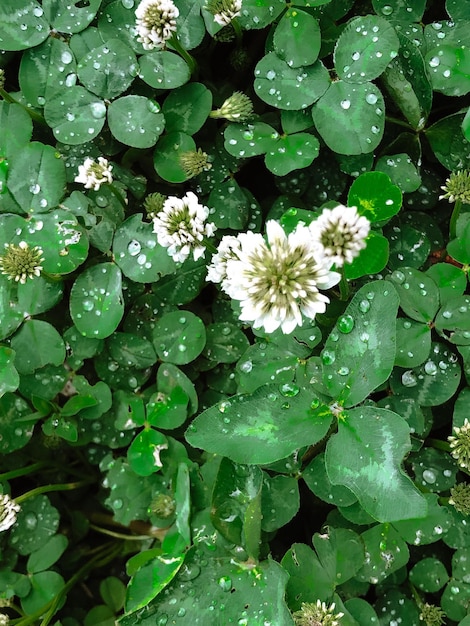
(234, 312)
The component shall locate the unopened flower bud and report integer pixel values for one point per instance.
(460, 498)
(457, 187)
(237, 108)
(195, 162)
(153, 204)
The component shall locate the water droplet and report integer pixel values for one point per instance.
(118, 504)
(225, 583)
(429, 476)
(134, 248)
(371, 98)
(66, 57)
(434, 62)
(345, 324)
(31, 521)
(387, 9)
(289, 390)
(364, 306)
(225, 330)
(398, 277)
(430, 368)
(246, 367)
(356, 56)
(35, 189)
(315, 403)
(447, 314)
(182, 347)
(328, 357)
(271, 75)
(127, 4)
(88, 305)
(409, 379)
(98, 109)
(343, 371)
(407, 324)
(345, 104)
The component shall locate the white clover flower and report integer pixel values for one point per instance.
(460, 445)
(228, 249)
(21, 262)
(278, 280)
(93, 175)
(156, 22)
(319, 614)
(8, 511)
(181, 227)
(342, 233)
(224, 11)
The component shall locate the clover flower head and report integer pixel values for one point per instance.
(318, 614)
(277, 280)
(162, 505)
(4, 619)
(342, 233)
(195, 162)
(8, 511)
(457, 187)
(181, 227)
(156, 22)
(93, 174)
(460, 498)
(21, 262)
(153, 204)
(228, 249)
(460, 445)
(237, 108)
(224, 11)
(432, 615)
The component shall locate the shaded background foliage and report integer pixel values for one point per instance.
(312, 466)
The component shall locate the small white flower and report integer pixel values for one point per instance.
(8, 511)
(224, 11)
(181, 227)
(156, 22)
(93, 175)
(278, 280)
(319, 614)
(342, 233)
(228, 248)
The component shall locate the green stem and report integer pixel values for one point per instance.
(47, 612)
(237, 30)
(453, 219)
(416, 596)
(209, 245)
(111, 533)
(48, 488)
(344, 288)
(399, 122)
(36, 117)
(22, 471)
(438, 444)
(192, 63)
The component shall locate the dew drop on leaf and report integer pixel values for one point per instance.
(409, 379)
(328, 357)
(289, 390)
(134, 248)
(31, 521)
(346, 323)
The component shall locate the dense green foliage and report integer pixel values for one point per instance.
(171, 462)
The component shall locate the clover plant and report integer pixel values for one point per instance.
(234, 312)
